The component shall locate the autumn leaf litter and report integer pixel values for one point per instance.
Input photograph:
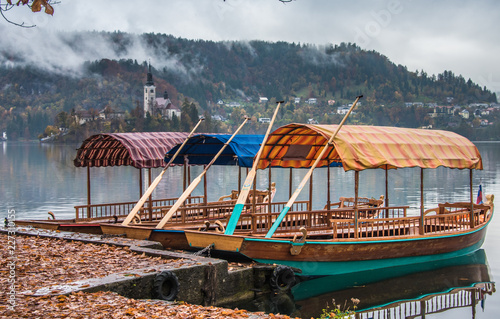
(42, 262)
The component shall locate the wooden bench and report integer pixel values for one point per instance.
(362, 202)
(260, 196)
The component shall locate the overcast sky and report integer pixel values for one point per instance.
(457, 35)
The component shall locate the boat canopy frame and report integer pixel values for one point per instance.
(359, 147)
(201, 148)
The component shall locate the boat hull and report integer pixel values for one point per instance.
(171, 239)
(134, 232)
(62, 225)
(343, 256)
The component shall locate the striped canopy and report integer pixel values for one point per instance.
(140, 150)
(363, 147)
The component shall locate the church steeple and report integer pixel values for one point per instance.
(149, 93)
(149, 80)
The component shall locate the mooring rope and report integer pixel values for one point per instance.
(206, 249)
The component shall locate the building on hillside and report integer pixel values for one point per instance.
(464, 114)
(158, 106)
(109, 113)
(263, 99)
(442, 110)
(416, 104)
(342, 110)
(84, 116)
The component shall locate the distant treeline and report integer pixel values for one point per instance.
(209, 75)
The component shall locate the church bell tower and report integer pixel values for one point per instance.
(149, 93)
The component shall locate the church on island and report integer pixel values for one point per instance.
(158, 106)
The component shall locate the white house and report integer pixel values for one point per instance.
(464, 114)
(312, 100)
(342, 110)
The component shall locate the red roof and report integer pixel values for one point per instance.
(140, 150)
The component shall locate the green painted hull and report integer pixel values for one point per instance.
(333, 258)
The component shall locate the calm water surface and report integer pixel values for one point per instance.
(37, 178)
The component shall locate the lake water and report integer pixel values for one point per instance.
(37, 178)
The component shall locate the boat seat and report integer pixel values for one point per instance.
(345, 202)
(260, 196)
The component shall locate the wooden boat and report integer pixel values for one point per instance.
(191, 216)
(147, 150)
(140, 150)
(62, 225)
(322, 243)
(202, 149)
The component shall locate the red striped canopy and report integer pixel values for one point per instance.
(363, 147)
(140, 150)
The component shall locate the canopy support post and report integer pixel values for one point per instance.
(471, 214)
(269, 191)
(254, 193)
(291, 181)
(386, 191)
(239, 179)
(189, 179)
(140, 182)
(150, 196)
(422, 219)
(328, 199)
(310, 192)
(205, 197)
(88, 193)
(356, 189)
(184, 182)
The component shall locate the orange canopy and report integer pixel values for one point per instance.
(359, 147)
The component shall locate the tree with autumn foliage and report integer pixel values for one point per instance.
(33, 5)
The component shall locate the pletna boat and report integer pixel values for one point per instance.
(324, 242)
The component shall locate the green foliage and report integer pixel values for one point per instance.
(338, 311)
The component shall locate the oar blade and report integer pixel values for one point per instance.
(242, 197)
(143, 199)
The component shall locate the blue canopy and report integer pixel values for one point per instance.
(201, 149)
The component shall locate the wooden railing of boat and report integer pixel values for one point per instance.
(445, 218)
(367, 222)
(222, 210)
(193, 209)
(100, 212)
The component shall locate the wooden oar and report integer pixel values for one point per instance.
(242, 198)
(157, 180)
(308, 175)
(196, 181)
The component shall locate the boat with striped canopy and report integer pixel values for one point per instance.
(337, 240)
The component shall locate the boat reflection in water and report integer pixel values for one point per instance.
(396, 292)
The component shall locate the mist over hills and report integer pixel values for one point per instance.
(43, 76)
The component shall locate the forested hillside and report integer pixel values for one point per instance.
(204, 77)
